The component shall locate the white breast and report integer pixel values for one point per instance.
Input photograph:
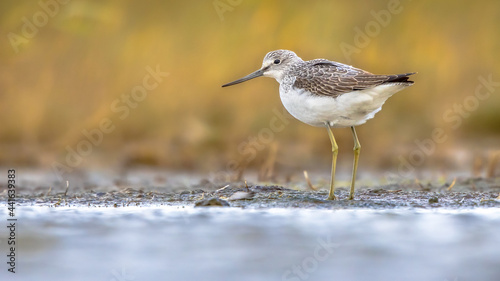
(350, 109)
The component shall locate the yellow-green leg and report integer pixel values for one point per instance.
(357, 148)
(335, 151)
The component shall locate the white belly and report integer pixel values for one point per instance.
(346, 110)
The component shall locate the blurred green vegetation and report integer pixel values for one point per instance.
(89, 53)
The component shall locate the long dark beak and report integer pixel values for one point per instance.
(256, 74)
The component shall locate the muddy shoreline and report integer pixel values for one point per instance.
(465, 194)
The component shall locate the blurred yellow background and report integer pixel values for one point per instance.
(67, 65)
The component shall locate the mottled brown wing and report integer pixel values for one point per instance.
(325, 78)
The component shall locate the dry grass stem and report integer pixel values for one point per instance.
(452, 184)
(311, 186)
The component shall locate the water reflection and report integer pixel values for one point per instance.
(176, 243)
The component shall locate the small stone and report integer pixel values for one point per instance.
(433, 200)
(242, 195)
(209, 202)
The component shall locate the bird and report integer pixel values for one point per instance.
(324, 93)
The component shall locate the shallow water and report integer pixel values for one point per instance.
(185, 243)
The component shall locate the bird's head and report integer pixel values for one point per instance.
(274, 65)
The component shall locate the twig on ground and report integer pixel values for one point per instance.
(67, 187)
(311, 186)
(452, 184)
(222, 188)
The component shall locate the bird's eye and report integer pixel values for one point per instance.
(277, 61)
